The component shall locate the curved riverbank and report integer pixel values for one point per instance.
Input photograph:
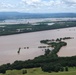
(9, 44)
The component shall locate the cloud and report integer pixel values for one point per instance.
(4, 5)
(38, 5)
(29, 2)
(33, 3)
(50, 5)
(49, 2)
(41, 3)
(9, 6)
(70, 2)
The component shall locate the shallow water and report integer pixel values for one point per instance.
(9, 45)
(23, 21)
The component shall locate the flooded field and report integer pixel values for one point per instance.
(24, 21)
(9, 45)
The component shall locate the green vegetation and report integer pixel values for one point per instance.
(25, 28)
(24, 71)
(49, 62)
(38, 71)
(56, 44)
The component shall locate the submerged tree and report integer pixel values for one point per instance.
(19, 51)
(47, 51)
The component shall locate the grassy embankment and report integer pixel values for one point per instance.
(38, 71)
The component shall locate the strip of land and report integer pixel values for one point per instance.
(9, 29)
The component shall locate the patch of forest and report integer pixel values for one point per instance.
(25, 28)
(49, 62)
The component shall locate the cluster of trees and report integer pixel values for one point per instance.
(53, 40)
(53, 68)
(67, 38)
(44, 41)
(47, 52)
(24, 28)
(24, 71)
(48, 62)
(57, 47)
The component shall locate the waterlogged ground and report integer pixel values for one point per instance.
(10, 44)
(23, 21)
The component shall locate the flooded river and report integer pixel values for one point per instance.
(9, 45)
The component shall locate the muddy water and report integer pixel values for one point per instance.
(9, 45)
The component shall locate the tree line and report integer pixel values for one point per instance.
(49, 62)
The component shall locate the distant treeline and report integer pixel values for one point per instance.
(18, 15)
(25, 28)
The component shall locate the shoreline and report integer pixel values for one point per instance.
(9, 45)
(34, 31)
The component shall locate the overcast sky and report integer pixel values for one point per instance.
(38, 6)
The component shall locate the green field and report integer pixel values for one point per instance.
(38, 71)
(9, 29)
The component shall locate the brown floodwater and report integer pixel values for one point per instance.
(9, 45)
